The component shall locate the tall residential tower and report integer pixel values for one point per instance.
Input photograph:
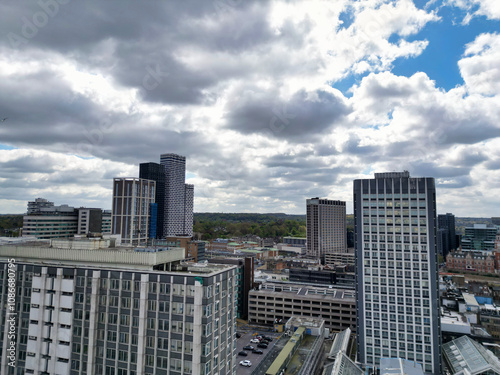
(178, 199)
(132, 202)
(326, 227)
(397, 300)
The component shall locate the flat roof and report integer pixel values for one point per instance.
(470, 299)
(399, 366)
(313, 292)
(119, 257)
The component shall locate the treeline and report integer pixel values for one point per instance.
(222, 225)
(243, 217)
(10, 224)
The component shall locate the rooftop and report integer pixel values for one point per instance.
(465, 354)
(118, 257)
(306, 290)
(398, 366)
(340, 343)
(343, 365)
(470, 299)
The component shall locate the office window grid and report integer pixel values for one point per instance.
(394, 253)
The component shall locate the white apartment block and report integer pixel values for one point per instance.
(397, 300)
(117, 312)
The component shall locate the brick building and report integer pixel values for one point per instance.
(471, 261)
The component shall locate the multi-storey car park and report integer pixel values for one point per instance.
(273, 302)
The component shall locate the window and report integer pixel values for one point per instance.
(124, 320)
(124, 337)
(151, 323)
(126, 302)
(125, 284)
(122, 355)
(111, 336)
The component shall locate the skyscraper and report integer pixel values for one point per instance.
(156, 172)
(132, 198)
(326, 227)
(178, 199)
(397, 301)
(447, 222)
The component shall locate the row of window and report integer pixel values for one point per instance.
(396, 204)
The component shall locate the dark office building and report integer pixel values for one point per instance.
(442, 242)
(325, 277)
(156, 172)
(448, 222)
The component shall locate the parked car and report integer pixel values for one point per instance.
(254, 341)
(243, 353)
(257, 351)
(248, 347)
(238, 335)
(267, 338)
(246, 363)
(262, 345)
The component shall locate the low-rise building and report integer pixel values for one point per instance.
(466, 356)
(475, 261)
(334, 259)
(490, 319)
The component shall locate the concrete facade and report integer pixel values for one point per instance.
(397, 286)
(178, 199)
(326, 227)
(282, 301)
(119, 317)
(130, 208)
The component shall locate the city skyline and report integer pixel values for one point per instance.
(271, 102)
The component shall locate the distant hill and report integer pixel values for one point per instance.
(245, 217)
(462, 222)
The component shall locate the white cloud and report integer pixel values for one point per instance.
(480, 66)
(488, 8)
(221, 83)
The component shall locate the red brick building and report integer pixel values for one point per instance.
(471, 261)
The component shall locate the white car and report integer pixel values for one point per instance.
(254, 341)
(246, 363)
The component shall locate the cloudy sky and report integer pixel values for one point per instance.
(271, 102)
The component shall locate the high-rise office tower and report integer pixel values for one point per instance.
(156, 172)
(132, 198)
(178, 199)
(397, 300)
(326, 227)
(447, 221)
